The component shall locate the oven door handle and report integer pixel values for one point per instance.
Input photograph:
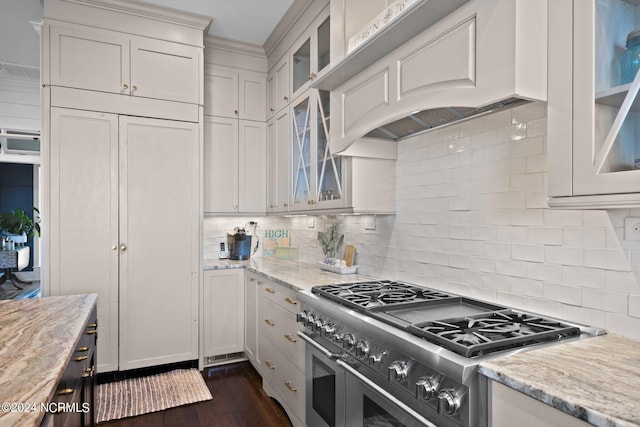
(327, 353)
(385, 394)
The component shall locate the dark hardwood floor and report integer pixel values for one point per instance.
(238, 400)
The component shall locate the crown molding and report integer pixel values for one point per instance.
(234, 46)
(293, 14)
(146, 10)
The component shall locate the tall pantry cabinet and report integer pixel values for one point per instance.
(122, 115)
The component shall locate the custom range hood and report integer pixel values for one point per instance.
(484, 56)
(422, 121)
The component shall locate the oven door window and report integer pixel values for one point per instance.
(324, 391)
(373, 415)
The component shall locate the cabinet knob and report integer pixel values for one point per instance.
(286, 98)
(286, 205)
(125, 86)
(271, 109)
(311, 76)
(235, 206)
(114, 247)
(123, 248)
(134, 88)
(235, 112)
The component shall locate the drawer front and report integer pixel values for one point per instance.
(285, 378)
(281, 295)
(280, 327)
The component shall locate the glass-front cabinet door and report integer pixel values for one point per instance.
(329, 170)
(310, 56)
(598, 109)
(302, 183)
(317, 173)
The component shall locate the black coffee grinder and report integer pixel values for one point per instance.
(239, 244)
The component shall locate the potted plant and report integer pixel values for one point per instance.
(18, 225)
(330, 241)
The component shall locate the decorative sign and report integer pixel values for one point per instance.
(394, 10)
(274, 239)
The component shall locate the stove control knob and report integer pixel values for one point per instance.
(362, 349)
(319, 325)
(348, 342)
(337, 336)
(302, 316)
(376, 359)
(398, 371)
(427, 387)
(328, 329)
(448, 402)
(310, 320)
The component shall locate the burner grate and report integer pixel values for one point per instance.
(479, 335)
(376, 294)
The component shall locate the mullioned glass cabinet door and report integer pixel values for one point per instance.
(301, 155)
(606, 111)
(329, 166)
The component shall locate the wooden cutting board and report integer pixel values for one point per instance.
(349, 254)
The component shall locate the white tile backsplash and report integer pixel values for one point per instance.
(471, 218)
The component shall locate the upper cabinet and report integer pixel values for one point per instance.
(114, 62)
(310, 55)
(593, 119)
(278, 87)
(234, 93)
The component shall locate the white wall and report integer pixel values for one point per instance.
(472, 219)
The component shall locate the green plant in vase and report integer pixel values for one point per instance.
(19, 223)
(330, 240)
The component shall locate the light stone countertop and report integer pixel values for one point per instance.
(596, 379)
(295, 275)
(37, 338)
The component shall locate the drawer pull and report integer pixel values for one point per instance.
(269, 365)
(271, 291)
(82, 349)
(93, 325)
(88, 372)
(291, 301)
(290, 386)
(80, 358)
(290, 338)
(269, 322)
(65, 392)
(92, 332)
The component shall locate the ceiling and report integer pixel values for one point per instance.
(249, 21)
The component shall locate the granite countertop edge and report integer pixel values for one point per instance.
(580, 378)
(581, 412)
(51, 356)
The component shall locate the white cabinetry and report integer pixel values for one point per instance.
(234, 93)
(235, 141)
(278, 87)
(107, 172)
(223, 314)
(281, 351)
(278, 163)
(109, 61)
(310, 54)
(121, 106)
(508, 405)
(593, 118)
(252, 288)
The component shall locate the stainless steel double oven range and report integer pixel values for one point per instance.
(387, 353)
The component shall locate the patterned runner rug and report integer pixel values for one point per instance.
(136, 396)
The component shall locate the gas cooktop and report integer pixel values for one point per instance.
(463, 325)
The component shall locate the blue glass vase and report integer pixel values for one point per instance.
(631, 58)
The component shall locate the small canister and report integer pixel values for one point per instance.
(630, 62)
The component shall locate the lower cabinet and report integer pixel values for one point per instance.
(508, 405)
(280, 350)
(73, 403)
(223, 315)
